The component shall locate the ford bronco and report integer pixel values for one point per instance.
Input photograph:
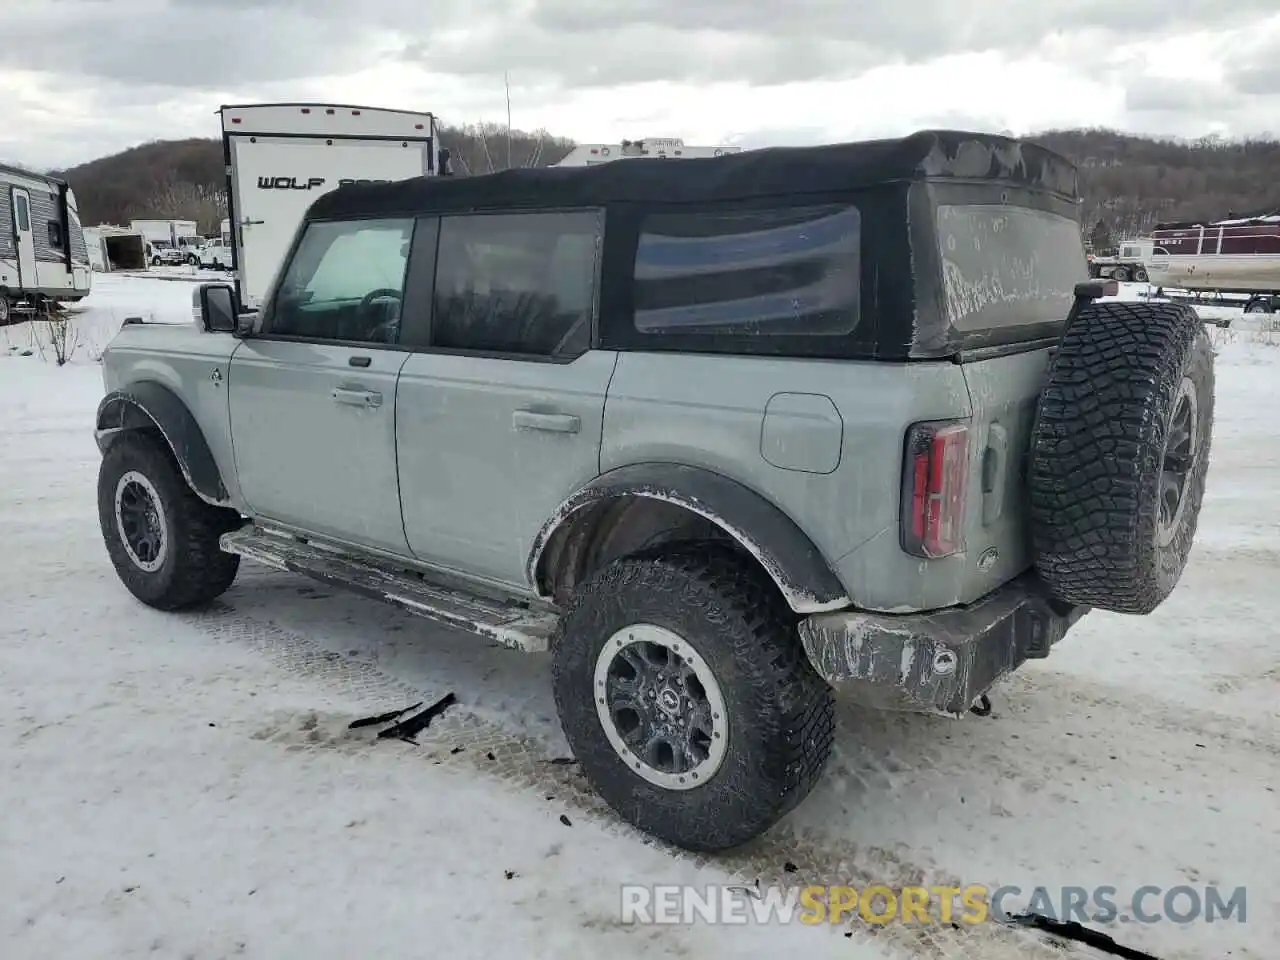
(727, 437)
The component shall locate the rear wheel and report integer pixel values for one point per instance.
(1120, 454)
(687, 699)
(1140, 275)
(161, 537)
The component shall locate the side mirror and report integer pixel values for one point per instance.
(444, 155)
(217, 308)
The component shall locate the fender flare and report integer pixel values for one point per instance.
(786, 552)
(148, 404)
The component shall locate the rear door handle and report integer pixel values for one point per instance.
(358, 398)
(550, 422)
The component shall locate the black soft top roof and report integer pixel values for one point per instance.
(774, 171)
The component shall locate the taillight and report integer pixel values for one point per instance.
(935, 484)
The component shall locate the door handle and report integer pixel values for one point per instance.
(550, 422)
(357, 398)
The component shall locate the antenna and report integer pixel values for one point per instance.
(506, 84)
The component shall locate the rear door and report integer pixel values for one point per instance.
(24, 237)
(500, 407)
(277, 178)
(312, 396)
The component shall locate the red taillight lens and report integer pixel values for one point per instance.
(934, 489)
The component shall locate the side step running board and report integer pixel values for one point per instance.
(511, 625)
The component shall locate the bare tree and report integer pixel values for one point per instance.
(54, 332)
(181, 200)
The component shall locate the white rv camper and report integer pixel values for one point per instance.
(281, 157)
(42, 251)
(658, 148)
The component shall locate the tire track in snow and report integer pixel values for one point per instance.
(785, 856)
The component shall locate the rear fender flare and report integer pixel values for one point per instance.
(786, 553)
(151, 405)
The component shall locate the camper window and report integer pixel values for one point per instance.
(24, 214)
(55, 234)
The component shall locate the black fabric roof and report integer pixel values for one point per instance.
(774, 171)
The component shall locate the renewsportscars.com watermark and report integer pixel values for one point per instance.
(880, 904)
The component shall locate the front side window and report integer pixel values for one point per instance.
(521, 283)
(783, 271)
(345, 282)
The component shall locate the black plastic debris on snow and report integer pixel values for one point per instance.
(382, 717)
(407, 727)
(1073, 930)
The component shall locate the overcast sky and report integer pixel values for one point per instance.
(84, 78)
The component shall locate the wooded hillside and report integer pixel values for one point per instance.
(1129, 182)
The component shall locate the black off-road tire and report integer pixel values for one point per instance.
(1099, 447)
(780, 713)
(194, 570)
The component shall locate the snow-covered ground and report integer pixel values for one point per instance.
(185, 786)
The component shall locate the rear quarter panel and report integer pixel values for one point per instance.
(836, 427)
(183, 358)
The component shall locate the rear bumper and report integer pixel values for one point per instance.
(940, 661)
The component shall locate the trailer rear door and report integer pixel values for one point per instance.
(282, 157)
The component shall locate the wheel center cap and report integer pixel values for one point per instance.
(669, 700)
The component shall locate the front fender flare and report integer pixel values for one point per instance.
(149, 404)
(786, 553)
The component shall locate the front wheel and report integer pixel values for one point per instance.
(161, 537)
(687, 699)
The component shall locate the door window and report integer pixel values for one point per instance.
(345, 282)
(522, 283)
(24, 213)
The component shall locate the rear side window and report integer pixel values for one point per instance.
(786, 271)
(1006, 266)
(522, 283)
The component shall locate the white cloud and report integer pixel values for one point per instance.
(705, 70)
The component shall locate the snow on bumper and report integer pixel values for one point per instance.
(940, 661)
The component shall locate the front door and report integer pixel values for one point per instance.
(499, 413)
(24, 238)
(313, 394)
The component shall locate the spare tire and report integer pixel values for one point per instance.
(1119, 454)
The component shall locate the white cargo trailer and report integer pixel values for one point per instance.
(281, 157)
